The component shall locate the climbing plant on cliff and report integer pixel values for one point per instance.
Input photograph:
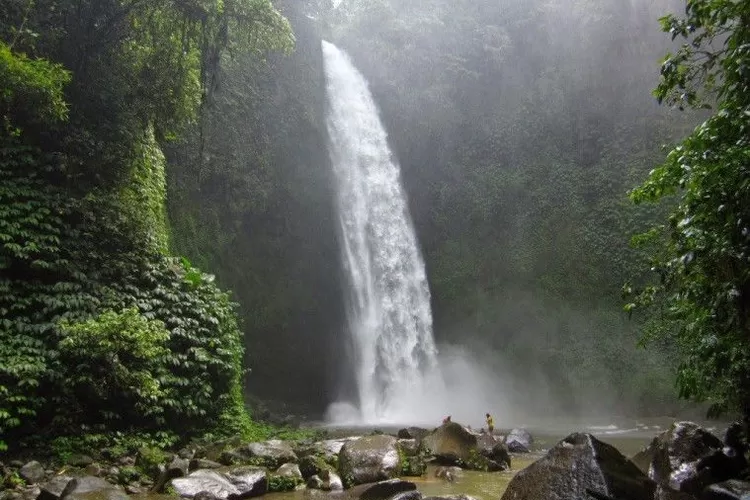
(84, 239)
(700, 259)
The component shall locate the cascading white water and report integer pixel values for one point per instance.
(389, 300)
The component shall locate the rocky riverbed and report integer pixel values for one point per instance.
(683, 462)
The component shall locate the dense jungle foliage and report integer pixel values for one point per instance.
(101, 328)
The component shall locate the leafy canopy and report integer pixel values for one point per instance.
(701, 256)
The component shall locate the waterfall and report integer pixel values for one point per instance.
(388, 303)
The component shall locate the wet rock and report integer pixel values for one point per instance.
(32, 472)
(685, 457)
(273, 453)
(417, 433)
(203, 463)
(666, 493)
(53, 489)
(369, 459)
(451, 443)
(407, 495)
(30, 492)
(315, 483)
(178, 467)
(382, 490)
(205, 481)
(733, 489)
(249, 481)
(313, 465)
(519, 441)
(204, 495)
(92, 488)
(409, 447)
(133, 489)
(577, 467)
(290, 471)
(450, 474)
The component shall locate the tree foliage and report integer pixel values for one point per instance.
(101, 329)
(701, 256)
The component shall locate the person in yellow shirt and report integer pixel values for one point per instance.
(490, 423)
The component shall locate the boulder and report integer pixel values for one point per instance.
(685, 458)
(369, 459)
(580, 466)
(412, 457)
(53, 489)
(327, 481)
(666, 493)
(273, 453)
(451, 443)
(410, 447)
(417, 433)
(249, 481)
(178, 467)
(289, 470)
(331, 481)
(312, 465)
(205, 480)
(519, 441)
(493, 449)
(92, 488)
(407, 495)
(203, 463)
(733, 489)
(382, 490)
(32, 472)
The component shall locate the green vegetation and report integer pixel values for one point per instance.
(103, 334)
(700, 272)
(283, 483)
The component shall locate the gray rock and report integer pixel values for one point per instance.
(410, 447)
(580, 467)
(369, 459)
(32, 472)
(53, 489)
(205, 480)
(249, 481)
(289, 470)
(733, 489)
(331, 481)
(178, 467)
(407, 495)
(666, 493)
(10, 495)
(133, 489)
(313, 465)
(30, 492)
(519, 441)
(382, 490)
(451, 443)
(673, 458)
(204, 495)
(92, 488)
(315, 483)
(203, 463)
(186, 453)
(417, 433)
(273, 453)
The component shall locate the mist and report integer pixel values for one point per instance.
(520, 127)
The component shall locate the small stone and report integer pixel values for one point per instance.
(126, 461)
(133, 489)
(53, 489)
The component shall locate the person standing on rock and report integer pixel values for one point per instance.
(490, 423)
